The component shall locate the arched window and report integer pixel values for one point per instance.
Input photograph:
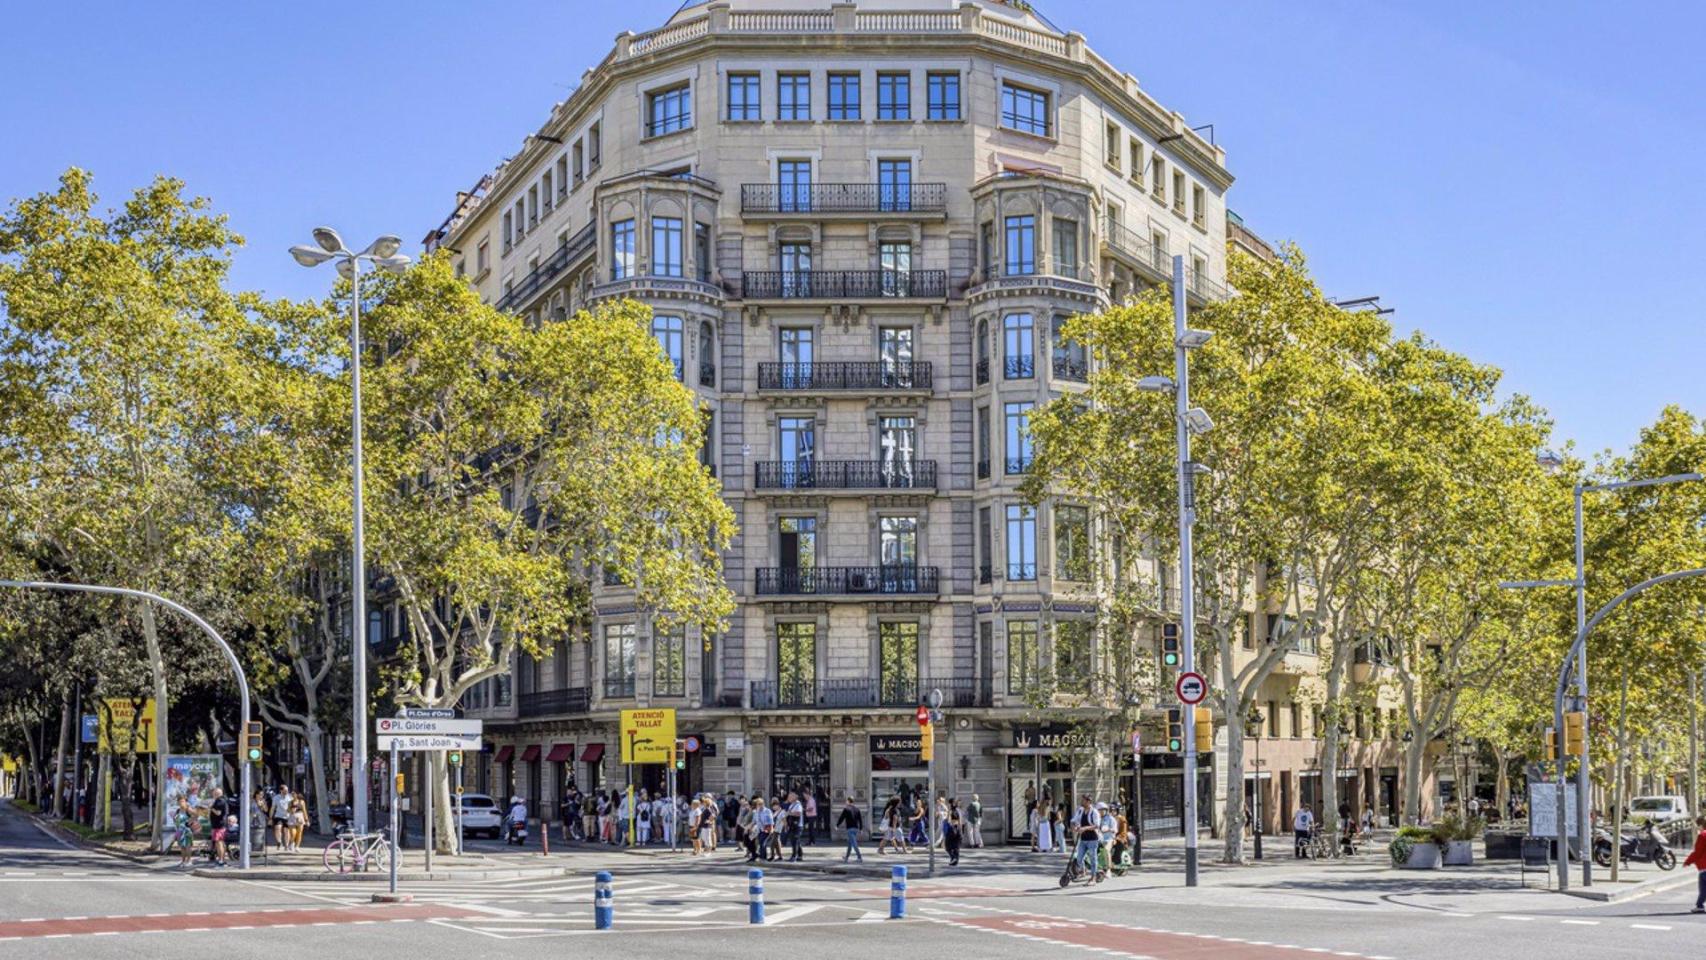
(707, 355)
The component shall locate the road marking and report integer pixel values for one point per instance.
(1649, 926)
(1584, 923)
(1518, 919)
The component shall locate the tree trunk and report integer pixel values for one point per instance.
(1233, 835)
(443, 815)
(157, 666)
(60, 750)
(317, 769)
(127, 785)
(36, 770)
(1502, 786)
(1414, 752)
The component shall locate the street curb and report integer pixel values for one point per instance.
(78, 840)
(513, 873)
(1634, 892)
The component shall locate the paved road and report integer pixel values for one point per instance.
(60, 902)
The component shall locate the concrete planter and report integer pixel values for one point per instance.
(1459, 853)
(1425, 856)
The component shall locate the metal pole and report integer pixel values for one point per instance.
(459, 811)
(427, 788)
(230, 657)
(1583, 810)
(396, 815)
(358, 566)
(930, 807)
(1563, 820)
(1187, 600)
(77, 756)
(674, 823)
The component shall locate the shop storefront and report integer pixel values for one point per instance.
(800, 765)
(1045, 763)
(1161, 793)
(897, 770)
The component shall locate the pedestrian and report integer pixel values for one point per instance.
(915, 820)
(765, 819)
(1087, 826)
(1107, 829)
(643, 819)
(1042, 833)
(746, 829)
(730, 816)
(951, 827)
(1697, 860)
(183, 826)
(280, 815)
(1301, 827)
(298, 821)
(795, 818)
(1058, 822)
(602, 812)
(852, 821)
(695, 810)
(941, 818)
(223, 835)
(974, 822)
(810, 820)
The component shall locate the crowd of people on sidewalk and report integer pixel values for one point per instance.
(774, 828)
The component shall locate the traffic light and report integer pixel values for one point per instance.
(1205, 730)
(1169, 644)
(1551, 739)
(676, 760)
(1175, 730)
(1575, 732)
(400, 790)
(252, 741)
(454, 757)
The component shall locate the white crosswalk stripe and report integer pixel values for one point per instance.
(557, 890)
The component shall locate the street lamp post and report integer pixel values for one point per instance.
(383, 254)
(1580, 654)
(1188, 420)
(1254, 729)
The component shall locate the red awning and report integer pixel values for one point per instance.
(593, 753)
(530, 754)
(504, 753)
(561, 752)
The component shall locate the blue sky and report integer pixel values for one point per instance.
(1519, 179)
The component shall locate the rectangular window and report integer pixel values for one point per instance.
(796, 539)
(618, 659)
(621, 249)
(666, 247)
(578, 153)
(894, 184)
(1065, 247)
(1073, 653)
(797, 444)
(898, 542)
(796, 266)
(897, 656)
(1111, 144)
(1072, 543)
(1158, 250)
(1178, 192)
(1018, 416)
(895, 259)
(509, 230)
(983, 452)
(897, 442)
(986, 246)
(545, 195)
(1198, 201)
(702, 251)
(532, 207)
(1136, 171)
(562, 176)
(668, 331)
(669, 662)
(793, 186)
(1025, 110)
(944, 93)
(796, 663)
(894, 96)
(1021, 252)
(984, 545)
(793, 96)
(1019, 347)
(1296, 720)
(483, 258)
(669, 110)
(1273, 718)
(1158, 179)
(844, 96)
(592, 154)
(1021, 656)
(743, 97)
(1021, 542)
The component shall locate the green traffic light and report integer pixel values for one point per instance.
(254, 756)
(1170, 659)
(1175, 745)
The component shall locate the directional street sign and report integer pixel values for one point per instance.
(427, 713)
(430, 742)
(647, 735)
(1191, 688)
(386, 726)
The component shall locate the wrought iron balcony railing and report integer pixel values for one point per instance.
(580, 243)
(707, 373)
(1019, 367)
(818, 581)
(983, 371)
(846, 375)
(1069, 368)
(551, 702)
(843, 198)
(843, 284)
(618, 688)
(845, 474)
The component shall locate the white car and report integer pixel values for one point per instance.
(480, 814)
(1659, 808)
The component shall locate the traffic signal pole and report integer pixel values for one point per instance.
(1187, 591)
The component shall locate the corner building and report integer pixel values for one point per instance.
(860, 227)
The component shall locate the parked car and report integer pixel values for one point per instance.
(481, 815)
(1660, 808)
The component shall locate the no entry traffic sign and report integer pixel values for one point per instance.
(923, 715)
(1191, 688)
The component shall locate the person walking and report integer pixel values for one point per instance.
(1061, 815)
(941, 819)
(1697, 860)
(974, 822)
(298, 822)
(764, 819)
(1301, 826)
(796, 820)
(951, 831)
(746, 829)
(852, 821)
(183, 825)
(810, 821)
(1044, 828)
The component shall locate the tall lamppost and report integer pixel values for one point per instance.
(1253, 730)
(1188, 421)
(1580, 675)
(383, 254)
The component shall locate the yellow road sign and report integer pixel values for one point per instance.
(117, 719)
(647, 735)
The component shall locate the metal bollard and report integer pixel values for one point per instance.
(755, 896)
(897, 894)
(603, 902)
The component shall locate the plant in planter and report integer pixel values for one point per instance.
(1415, 848)
(1456, 837)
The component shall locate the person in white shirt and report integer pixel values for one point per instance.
(1302, 825)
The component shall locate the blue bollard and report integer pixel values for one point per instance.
(897, 894)
(603, 902)
(755, 896)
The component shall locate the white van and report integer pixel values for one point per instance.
(1660, 808)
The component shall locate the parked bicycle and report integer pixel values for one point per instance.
(357, 853)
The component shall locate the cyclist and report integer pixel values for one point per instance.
(1088, 825)
(1302, 827)
(517, 818)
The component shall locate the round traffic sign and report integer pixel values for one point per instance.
(691, 743)
(923, 715)
(1191, 688)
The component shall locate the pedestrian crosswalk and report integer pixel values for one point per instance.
(562, 890)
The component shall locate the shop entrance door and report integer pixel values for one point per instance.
(800, 765)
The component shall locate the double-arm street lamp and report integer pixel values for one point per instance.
(1580, 652)
(1189, 421)
(382, 253)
